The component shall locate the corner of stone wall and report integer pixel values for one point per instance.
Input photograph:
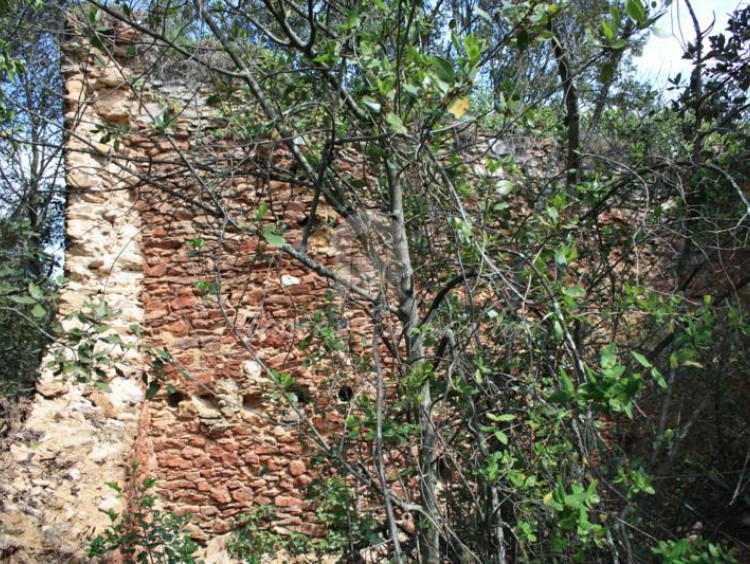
(78, 437)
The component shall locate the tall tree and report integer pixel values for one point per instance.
(31, 194)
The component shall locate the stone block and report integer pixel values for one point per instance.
(221, 495)
(286, 501)
(297, 467)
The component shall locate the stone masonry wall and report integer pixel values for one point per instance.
(78, 437)
(224, 305)
(149, 197)
(220, 443)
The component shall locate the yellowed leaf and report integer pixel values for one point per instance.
(458, 107)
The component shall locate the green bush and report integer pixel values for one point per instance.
(143, 533)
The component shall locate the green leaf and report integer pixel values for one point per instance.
(553, 214)
(100, 310)
(164, 121)
(103, 386)
(557, 330)
(353, 20)
(559, 397)
(642, 360)
(501, 418)
(502, 437)
(561, 260)
(478, 377)
(38, 311)
(113, 339)
(443, 68)
(607, 72)
(575, 291)
(635, 10)
(659, 378)
(681, 357)
(504, 187)
(113, 486)
(608, 29)
(196, 243)
(567, 383)
(273, 237)
(628, 409)
(397, 126)
(153, 389)
(371, 104)
(608, 357)
(36, 292)
(261, 211)
(411, 90)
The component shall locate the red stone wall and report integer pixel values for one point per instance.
(221, 438)
(219, 435)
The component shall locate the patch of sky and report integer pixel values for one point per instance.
(662, 56)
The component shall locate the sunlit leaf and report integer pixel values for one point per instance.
(38, 311)
(635, 10)
(397, 126)
(371, 104)
(642, 360)
(501, 418)
(273, 237)
(459, 106)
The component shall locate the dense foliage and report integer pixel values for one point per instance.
(569, 335)
(30, 187)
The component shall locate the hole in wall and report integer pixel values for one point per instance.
(252, 402)
(301, 392)
(174, 399)
(208, 401)
(346, 393)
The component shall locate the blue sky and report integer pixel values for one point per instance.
(662, 56)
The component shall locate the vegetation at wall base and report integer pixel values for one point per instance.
(143, 532)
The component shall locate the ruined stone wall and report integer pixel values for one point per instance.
(78, 437)
(220, 443)
(193, 401)
(223, 305)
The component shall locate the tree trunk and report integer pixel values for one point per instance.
(429, 534)
(572, 115)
